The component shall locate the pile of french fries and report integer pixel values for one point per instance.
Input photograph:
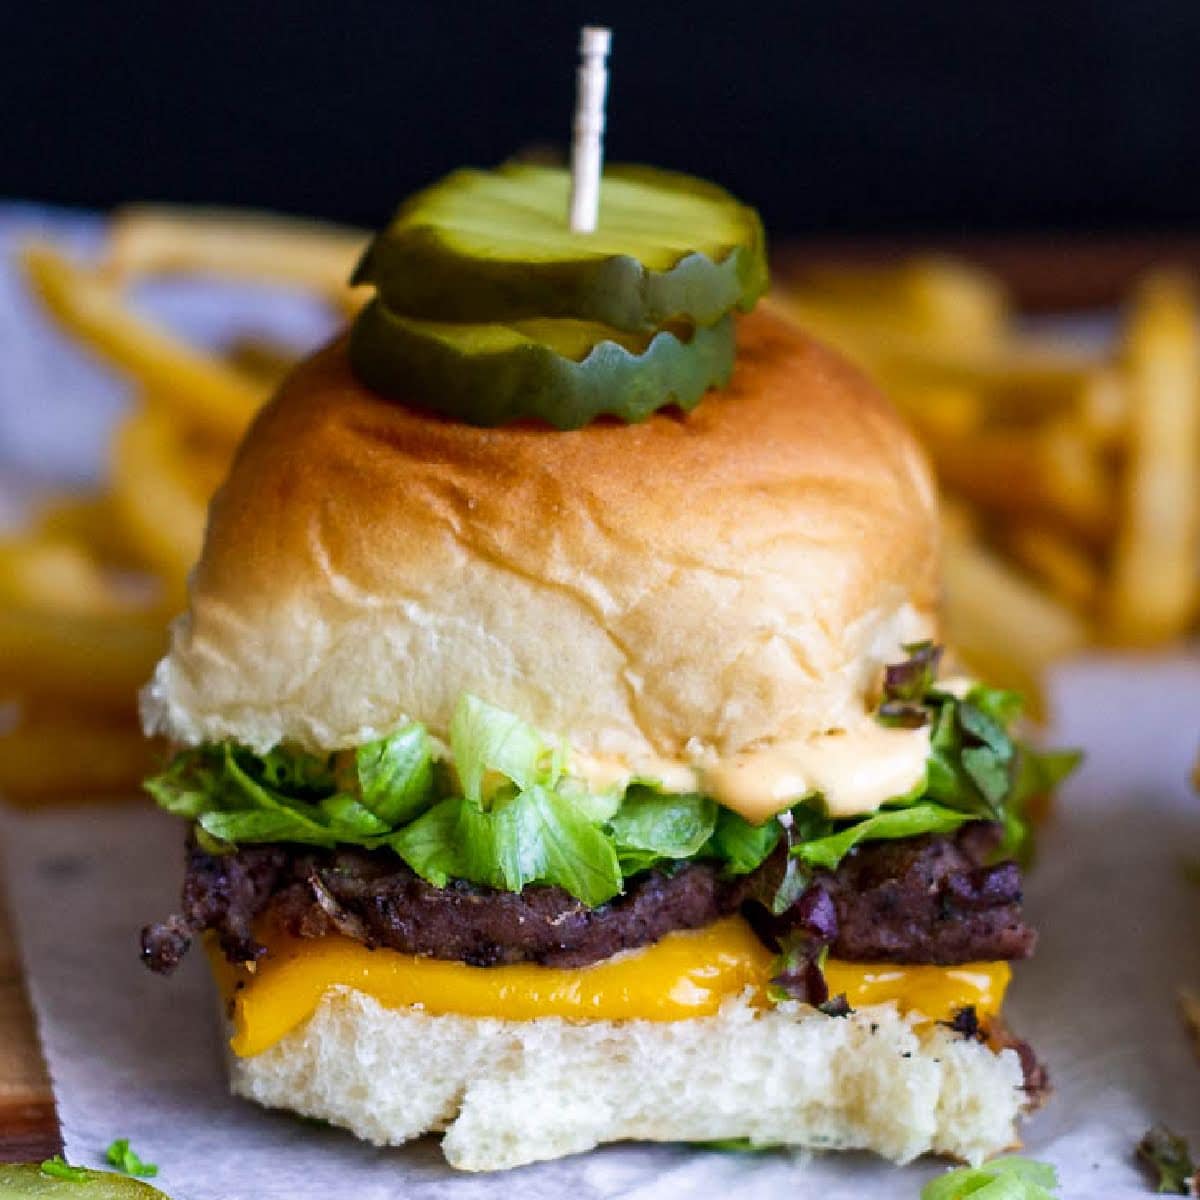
(87, 589)
(1072, 478)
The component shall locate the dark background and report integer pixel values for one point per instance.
(830, 116)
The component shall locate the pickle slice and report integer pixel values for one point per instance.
(28, 1179)
(563, 372)
(494, 246)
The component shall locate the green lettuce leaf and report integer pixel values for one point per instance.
(266, 825)
(192, 782)
(243, 792)
(1040, 772)
(455, 839)
(1004, 707)
(971, 759)
(1167, 1156)
(651, 827)
(741, 846)
(121, 1154)
(975, 765)
(534, 836)
(395, 775)
(1008, 1178)
(803, 824)
(486, 740)
(297, 772)
(541, 838)
(350, 820)
(598, 807)
(829, 850)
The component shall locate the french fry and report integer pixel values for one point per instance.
(1047, 471)
(58, 575)
(1005, 628)
(200, 458)
(264, 361)
(939, 300)
(960, 522)
(203, 466)
(1102, 410)
(200, 387)
(152, 239)
(87, 519)
(73, 756)
(1057, 562)
(1154, 573)
(1021, 381)
(155, 499)
(100, 660)
(1077, 485)
(940, 411)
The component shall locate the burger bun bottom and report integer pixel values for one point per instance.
(506, 1093)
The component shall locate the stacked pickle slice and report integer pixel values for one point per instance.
(488, 309)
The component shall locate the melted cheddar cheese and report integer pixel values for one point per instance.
(687, 974)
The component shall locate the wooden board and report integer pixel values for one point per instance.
(28, 1124)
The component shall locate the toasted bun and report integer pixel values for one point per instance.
(693, 584)
(513, 1092)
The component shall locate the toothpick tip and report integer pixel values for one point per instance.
(595, 39)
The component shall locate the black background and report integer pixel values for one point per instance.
(831, 117)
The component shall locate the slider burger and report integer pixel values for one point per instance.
(560, 727)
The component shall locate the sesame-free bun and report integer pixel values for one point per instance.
(512, 1092)
(688, 586)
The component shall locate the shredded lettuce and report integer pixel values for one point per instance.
(513, 818)
(886, 824)
(741, 846)
(651, 826)
(975, 765)
(533, 836)
(1168, 1157)
(395, 775)
(121, 1154)
(1008, 1178)
(487, 741)
(509, 814)
(540, 838)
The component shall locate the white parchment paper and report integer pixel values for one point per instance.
(133, 1055)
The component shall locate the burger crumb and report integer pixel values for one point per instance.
(838, 1006)
(965, 1023)
(1167, 1156)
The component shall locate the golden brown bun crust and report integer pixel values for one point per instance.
(730, 576)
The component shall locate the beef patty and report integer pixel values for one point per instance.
(929, 899)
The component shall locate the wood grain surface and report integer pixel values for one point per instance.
(28, 1125)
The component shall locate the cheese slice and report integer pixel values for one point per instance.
(685, 975)
(937, 993)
